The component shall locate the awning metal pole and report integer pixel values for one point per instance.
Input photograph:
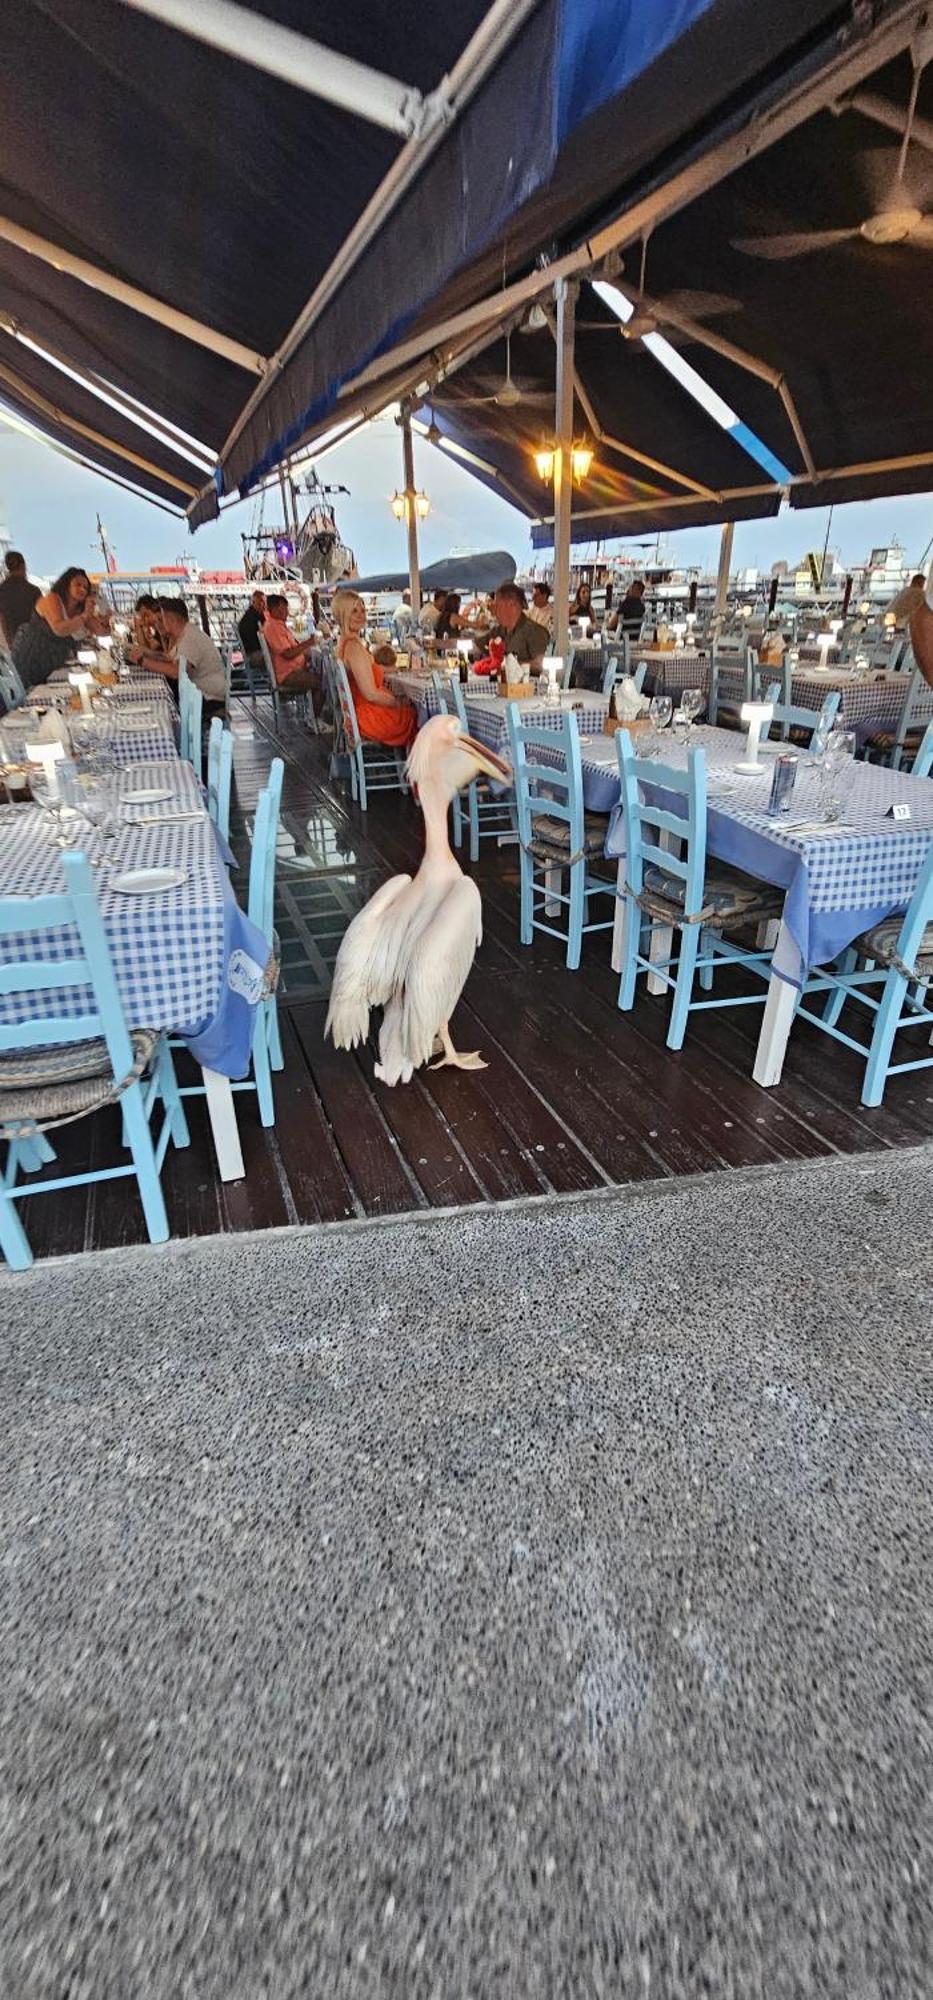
(54, 415)
(307, 65)
(566, 295)
(722, 580)
(129, 295)
(408, 461)
(128, 407)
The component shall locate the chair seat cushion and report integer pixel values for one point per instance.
(45, 1086)
(729, 895)
(880, 943)
(551, 837)
(885, 740)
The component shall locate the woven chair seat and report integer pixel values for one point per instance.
(551, 837)
(885, 740)
(728, 895)
(881, 944)
(52, 1086)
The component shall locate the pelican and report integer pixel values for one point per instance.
(410, 950)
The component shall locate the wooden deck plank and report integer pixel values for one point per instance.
(380, 1177)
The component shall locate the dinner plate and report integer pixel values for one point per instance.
(147, 795)
(148, 881)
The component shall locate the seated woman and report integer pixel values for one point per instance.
(47, 641)
(449, 624)
(381, 718)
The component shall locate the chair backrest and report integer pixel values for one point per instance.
(90, 966)
(450, 697)
(190, 708)
(12, 690)
(267, 658)
(262, 859)
(646, 822)
(922, 766)
(545, 789)
(736, 663)
(618, 668)
(765, 677)
(916, 710)
(351, 728)
(219, 775)
(329, 670)
(789, 715)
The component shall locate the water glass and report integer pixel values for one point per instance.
(660, 709)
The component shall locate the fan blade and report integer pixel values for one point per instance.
(922, 236)
(775, 248)
(695, 305)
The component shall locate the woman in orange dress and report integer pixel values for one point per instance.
(381, 718)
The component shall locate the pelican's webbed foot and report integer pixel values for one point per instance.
(451, 1058)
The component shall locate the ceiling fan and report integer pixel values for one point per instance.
(896, 220)
(651, 315)
(507, 394)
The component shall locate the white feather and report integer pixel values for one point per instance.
(364, 975)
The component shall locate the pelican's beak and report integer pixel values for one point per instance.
(486, 760)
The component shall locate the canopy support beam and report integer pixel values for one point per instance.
(496, 31)
(307, 65)
(125, 406)
(130, 295)
(54, 415)
(411, 517)
(32, 431)
(566, 295)
(857, 59)
(627, 450)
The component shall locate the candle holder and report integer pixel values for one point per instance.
(758, 715)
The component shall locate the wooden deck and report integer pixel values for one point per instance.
(576, 1094)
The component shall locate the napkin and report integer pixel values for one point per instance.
(52, 729)
(629, 703)
(513, 672)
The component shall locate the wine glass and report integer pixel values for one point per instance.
(660, 709)
(98, 799)
(53, 791)
(691, 702)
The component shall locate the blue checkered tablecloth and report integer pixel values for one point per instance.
(486, 713)
(866, 704)
(418, 688)
(840, 879)
(58, 693)
(670, 673)
(186, 959)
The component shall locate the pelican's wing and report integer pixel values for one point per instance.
(438, 968)
(364, 975)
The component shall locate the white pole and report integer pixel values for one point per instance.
(408, 460)
(279, 51)
(566, 294)
(129, 295)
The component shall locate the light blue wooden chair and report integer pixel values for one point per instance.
(889, 970)
(922, 766)
(897, 749)
(617, 671)
(732, 664)
(374, 767)
(55, 1068)
(669, 891)
(219, 775)
(797, 724)
(618, 657)
(191, 714)
(266, 1046)
(556, 835)
(12, 690)
(490, 815)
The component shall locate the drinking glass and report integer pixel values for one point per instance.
(98, 801)
(691, 702)
(660, 709)
(55, 793)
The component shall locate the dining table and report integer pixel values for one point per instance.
(187, 958)
(670, 671)
(840, 877)
(487, 712)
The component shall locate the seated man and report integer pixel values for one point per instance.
(248, 627)
(528, 641)
(189, 642)
(289, 655)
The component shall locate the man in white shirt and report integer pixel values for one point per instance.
(403, 620)
(921, 633)
(191, 644)
(430, 613)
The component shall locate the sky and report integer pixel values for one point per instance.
(49, 507)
